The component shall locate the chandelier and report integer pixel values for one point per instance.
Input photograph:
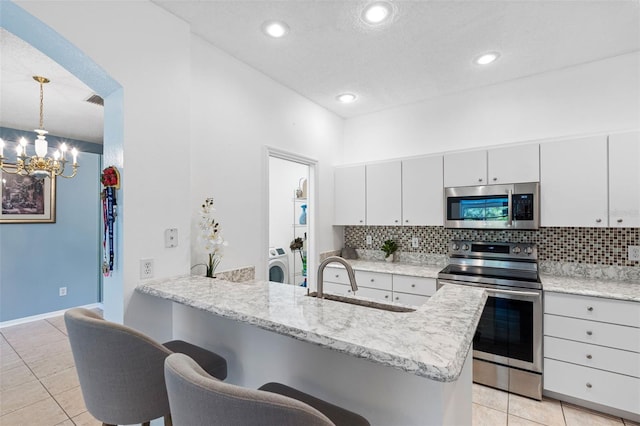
(39, 165)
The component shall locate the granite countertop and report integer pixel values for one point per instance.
(597, 287)
(432, 342)
(425, 271)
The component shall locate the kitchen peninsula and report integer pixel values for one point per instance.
(394, 368)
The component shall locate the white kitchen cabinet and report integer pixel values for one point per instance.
(384, 193)
(514, 164)
(573, 182)
(375, 294)
(377, 280)
(414, 285)
(624, 180)
(592, 350)
(349, 193)
(422, 191)
(465, 168)
(409, 299)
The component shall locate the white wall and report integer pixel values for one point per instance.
(236, 111)
(596, 97)
(284, 178)
(147, 50)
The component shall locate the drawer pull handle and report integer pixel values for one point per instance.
(598, 220)
(619, 221)
(372, 280)
(589, 333)
(589, 385)
(337, 276)
(397, 298)
(386, 296)
(590, 309)
(589, 356)
(413, 285)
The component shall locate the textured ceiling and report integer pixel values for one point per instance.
(426, 51)
(63, 97)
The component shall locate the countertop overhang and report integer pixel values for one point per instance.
(432, 342)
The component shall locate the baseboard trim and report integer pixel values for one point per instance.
(39, 317)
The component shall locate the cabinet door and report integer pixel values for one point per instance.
(409, 299)
(465, 168)
(374, 293)
(384, 193)
(514, 164)
(349, 198)
(422, 192)
(624, 180)
(573, 182)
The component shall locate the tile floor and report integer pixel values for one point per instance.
(39, 387)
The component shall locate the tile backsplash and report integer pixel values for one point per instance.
(601, 246)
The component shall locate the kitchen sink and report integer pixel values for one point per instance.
(360, 302)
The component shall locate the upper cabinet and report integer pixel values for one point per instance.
(349, 191)
(624, 180)
(514, 164)
(465, 168)
(422, 193)
(494, 166)
(573, 182)
(384, 193)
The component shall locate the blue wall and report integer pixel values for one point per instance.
(37, 259)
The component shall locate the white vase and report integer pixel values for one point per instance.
(389, 258)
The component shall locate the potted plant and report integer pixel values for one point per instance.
(389, 247)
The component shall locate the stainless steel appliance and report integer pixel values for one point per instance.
(507, 346)
(512, 206)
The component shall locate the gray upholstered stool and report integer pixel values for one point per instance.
(121, 371)
(197, 399)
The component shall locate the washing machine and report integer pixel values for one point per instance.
(278, 265)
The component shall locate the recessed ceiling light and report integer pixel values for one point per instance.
(487, 58)
(346, 98)
(275, 29)
(377, 12)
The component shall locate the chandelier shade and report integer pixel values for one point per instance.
(40, 165)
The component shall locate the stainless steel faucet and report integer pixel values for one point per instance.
(350, 273)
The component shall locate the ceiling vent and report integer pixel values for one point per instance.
(95, 99)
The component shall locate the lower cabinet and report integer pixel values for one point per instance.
(408, 290)
(592, 351)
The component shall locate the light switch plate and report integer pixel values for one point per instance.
(171, 237)
(634, 252)
(369, 240)
(415, 242)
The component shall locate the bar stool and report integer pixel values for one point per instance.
(121, 371)
(198, 399)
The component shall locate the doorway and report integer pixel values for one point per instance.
(291, 214)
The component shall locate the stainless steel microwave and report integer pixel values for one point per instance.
(512, 206)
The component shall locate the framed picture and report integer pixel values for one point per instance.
(26, 199)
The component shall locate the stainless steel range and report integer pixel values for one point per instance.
(507, 346)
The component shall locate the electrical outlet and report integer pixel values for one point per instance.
(62, 291)
(146, 269)
(415, 242)
(369, 241)
(634, 252)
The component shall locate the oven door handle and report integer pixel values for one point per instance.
(514, 292)
(510, 207)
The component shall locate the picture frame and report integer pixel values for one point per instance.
(26, 199)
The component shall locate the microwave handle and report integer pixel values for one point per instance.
(510, 207)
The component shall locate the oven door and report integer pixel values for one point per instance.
(510, 329)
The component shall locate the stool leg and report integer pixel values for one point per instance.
(167, 420)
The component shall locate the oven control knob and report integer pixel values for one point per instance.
(528, 250)
(465, 247)
(455, 246)
(517, 250)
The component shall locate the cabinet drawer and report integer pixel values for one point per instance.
(603, 358)
(336, 275)
(373, 280)
(597, 333)
(373, 293)
(409, 299)
(414, 285)
(593, 308)
(610, 389)
(336, 288)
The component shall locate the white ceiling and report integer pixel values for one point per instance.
(66, 113)
(426, 51)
